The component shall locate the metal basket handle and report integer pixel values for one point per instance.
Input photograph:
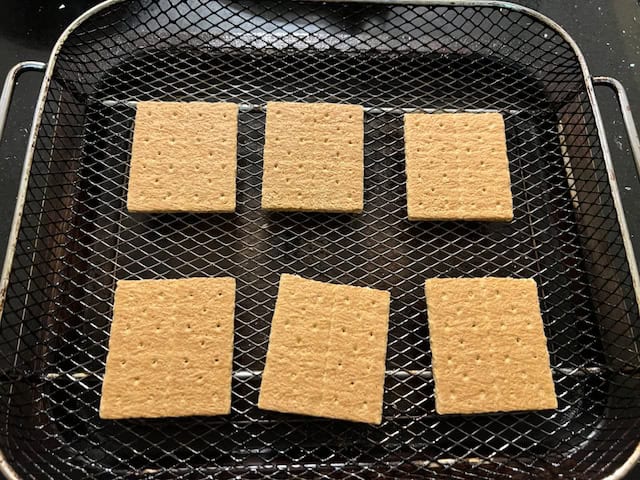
(9, 83)
(627, 116)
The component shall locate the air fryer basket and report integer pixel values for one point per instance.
(76, 238)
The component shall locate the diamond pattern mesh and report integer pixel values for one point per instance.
(76, 238)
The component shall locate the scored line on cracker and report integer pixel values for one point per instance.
(457, 167)
(170, 349)
(327, 351)
(183, 157)
(313, 157)
(489, 350)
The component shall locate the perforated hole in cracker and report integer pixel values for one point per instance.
(301, 140)
(460, 155)
(481, 351)
(157, 349)
(180, 171)
(313, 367)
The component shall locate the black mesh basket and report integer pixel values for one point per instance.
(75, 238)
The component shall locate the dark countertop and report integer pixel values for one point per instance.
(607, 32)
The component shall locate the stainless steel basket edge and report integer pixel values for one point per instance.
(5, 467)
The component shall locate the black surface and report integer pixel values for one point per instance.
(607, 32)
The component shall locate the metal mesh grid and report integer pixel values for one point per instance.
(76, 239)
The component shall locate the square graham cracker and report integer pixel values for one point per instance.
(457, 167)
(489, 351)
(327, 351)
(183, 157)
(170, 349)
(313, 157)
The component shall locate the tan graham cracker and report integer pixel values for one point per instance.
(327, 351)
(313, 157)
(457, 167)
(183, 157)
(170, 349)
(489, 351)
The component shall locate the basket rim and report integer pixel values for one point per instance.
(5, 467)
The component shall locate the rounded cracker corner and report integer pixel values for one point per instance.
(387, 295)
(105, 412)
(529, 281)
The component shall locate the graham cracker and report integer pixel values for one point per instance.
(457, 167)
(489, 351)
(183, 157)
(327, 351)
(170, 350)
(313, 157)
